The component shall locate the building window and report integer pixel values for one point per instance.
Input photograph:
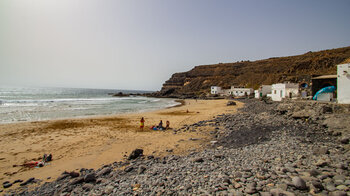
(281, 94)
(274, 92)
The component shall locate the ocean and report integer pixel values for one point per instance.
(35, 104)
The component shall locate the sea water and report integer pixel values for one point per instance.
(35, 104)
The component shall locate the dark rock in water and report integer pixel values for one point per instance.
(121, 94)
(30, 180)
(7, 185)
(74, 174)
(90, 177)
(104, 171)
(299, 183)
(135, 154)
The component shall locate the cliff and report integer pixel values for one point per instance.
(197, 81)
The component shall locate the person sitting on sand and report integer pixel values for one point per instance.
(167, 125)
(142, 123)
(160, 125)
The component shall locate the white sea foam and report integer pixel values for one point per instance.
(43, 104)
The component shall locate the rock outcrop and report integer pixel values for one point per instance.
(197, 81)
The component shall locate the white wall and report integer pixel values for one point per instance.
(325, 97)
(239, 92)
(257, 94)
(266, 89)
(277, 92)
(343, 86)
(280, 91)
(215, 90)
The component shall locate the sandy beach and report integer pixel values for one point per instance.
(93, 142)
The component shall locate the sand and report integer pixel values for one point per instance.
(94, 142)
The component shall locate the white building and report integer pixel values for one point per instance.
(263, 91)
(215, 90)
(240, 92)
(343, 83)
(283, 90)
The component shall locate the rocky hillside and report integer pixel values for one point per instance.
(254, 73)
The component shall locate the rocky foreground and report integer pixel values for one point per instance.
(288, 148)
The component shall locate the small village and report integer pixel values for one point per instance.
(324, 88)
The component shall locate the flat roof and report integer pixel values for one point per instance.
(325, 77)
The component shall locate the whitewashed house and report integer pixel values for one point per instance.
(240, 92)
(263, 91)
(343, 83)
(283, 90)
(215, 90)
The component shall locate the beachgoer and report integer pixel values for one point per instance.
(167, 125)
(34, 164)
(142, 123)
(160, 125)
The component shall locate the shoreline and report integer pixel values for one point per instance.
(181, 102)
(93, 142)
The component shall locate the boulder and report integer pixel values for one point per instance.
(230, 103)
(135, 154)
(104, 171)
(91, 177)
(299, 183)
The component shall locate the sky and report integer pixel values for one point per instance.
(139, 44)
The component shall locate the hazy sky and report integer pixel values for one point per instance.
(140, 44)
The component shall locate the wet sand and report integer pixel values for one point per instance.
(93, 142)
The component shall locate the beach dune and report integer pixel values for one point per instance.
(93, 142)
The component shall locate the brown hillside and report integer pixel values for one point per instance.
(253, 74)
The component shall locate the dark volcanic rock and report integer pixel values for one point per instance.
(7, 185)
(74, 174)
(30, 180)
(91, 177)
(135, 154)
